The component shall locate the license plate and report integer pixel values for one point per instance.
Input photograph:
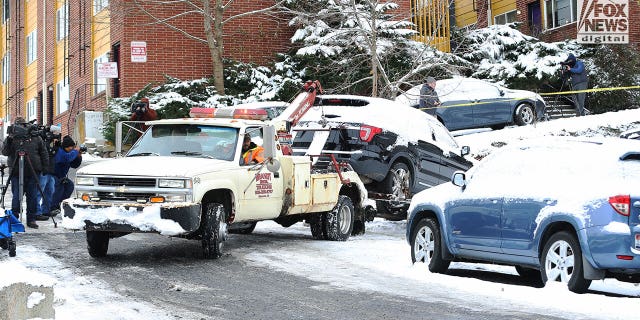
(637, 240)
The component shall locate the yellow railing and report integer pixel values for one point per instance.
(431, 19)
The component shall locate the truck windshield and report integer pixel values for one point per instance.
(187, 140)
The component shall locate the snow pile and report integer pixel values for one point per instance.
(16, 272)
(146, 220)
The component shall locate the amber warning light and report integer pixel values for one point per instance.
(229, 113)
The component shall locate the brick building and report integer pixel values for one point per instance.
(53, 49)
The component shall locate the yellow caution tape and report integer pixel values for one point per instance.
(589, 90)
(542, 94)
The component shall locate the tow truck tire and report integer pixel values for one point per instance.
(97, 243)
(339, 221)
(4, 243)
(214, 230)
(316, 224)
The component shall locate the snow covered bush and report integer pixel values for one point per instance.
(174, 98)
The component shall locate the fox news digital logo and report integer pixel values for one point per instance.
(603, 21)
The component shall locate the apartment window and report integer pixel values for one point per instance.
(100, 83)
(62, 21)
(507, 17)
(6, 68)
(32, 46)
(560, 12)
(31, 109)
(5, 10)
(62, 96)
(98, 5)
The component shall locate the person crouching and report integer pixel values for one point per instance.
(68, 156)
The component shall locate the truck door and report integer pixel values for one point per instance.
(260, 190)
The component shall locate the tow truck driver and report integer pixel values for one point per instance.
(251, 153)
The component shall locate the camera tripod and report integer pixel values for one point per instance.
(22, 155)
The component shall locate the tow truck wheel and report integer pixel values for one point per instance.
(317, 227)
(4, 244)
(214, 230)
(339, 221)
(97, 243)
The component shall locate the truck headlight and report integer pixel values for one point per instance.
(84, 181)
(171, 183)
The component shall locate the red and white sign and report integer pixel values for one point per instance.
(107, 70)
(138, 51)
(603, 21)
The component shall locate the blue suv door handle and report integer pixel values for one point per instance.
(636, 204)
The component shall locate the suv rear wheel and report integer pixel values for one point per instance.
(398, 185)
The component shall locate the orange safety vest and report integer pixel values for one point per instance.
(253, 155)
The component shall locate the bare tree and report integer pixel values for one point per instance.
(214, 14)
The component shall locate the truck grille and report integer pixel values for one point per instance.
(129, 182)
(124, 196)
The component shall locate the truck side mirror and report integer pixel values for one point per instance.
(465, 151)
(269, 141)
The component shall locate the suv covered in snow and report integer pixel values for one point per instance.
(396, 150)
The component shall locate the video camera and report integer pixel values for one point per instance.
(22, 131)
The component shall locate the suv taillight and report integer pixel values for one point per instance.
(368, 132)
(621, 204)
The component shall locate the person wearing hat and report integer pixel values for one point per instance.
(579, 81)
(68, 156)
(429, 100)
(36, 158)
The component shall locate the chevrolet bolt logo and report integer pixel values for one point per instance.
(121, 188)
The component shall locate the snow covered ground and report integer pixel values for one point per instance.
(382, 253)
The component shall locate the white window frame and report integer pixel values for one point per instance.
(506, 16)
(62, 21)
(99, 5)
(6, 67)
(100, 84)
(32, 46)
(62, 96)
(32, 109)
(551, 11)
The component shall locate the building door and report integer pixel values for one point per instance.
(534, 18)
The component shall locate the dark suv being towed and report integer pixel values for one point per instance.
(397, 150)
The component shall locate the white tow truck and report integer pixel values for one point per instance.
(187, 178)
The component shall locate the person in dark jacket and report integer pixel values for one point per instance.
(35, 159)
(68, 156)
(48, 180)
(579, 81)
(429, 100)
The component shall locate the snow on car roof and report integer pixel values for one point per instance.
(260, 104)
(408, 123)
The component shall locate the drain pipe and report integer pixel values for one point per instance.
(45, 91)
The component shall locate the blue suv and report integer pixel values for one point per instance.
(558, 209)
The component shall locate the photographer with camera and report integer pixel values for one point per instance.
(68, 156)
(25, 141)
(51, 136)
(575, 69)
